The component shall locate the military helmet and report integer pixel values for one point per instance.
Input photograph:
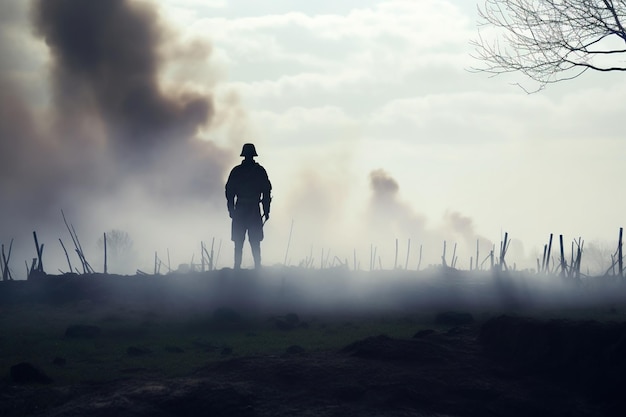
(248, 150)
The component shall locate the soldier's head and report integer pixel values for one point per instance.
(248, 151)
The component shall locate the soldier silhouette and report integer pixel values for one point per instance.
(248, 186)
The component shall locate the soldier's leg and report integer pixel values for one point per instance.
(238, 254)
(238, 234)
(255, 245)
(255, 235)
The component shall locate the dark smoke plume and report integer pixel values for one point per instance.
(388, 213)
(111, 130)
(110, 122)
(106, 58)
(105, 74)
(383, 185)
(392, 218)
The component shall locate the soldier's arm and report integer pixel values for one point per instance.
(266, 199)
(230, 194)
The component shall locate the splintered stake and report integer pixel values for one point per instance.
(66, 255)
(288, 242)
(39, 253)
(620, 258)
(105, 253)
(6, 272)
(77, 247)
(408, 252)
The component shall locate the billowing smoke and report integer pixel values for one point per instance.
(387, 211)
(112, 141)
(391, 218)
(384, 187)
(109, 103)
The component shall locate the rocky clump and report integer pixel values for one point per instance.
(27, 373)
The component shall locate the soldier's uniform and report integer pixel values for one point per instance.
(247, 188)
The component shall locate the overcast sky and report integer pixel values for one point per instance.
(371, 127)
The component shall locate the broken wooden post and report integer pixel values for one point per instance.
(454, 257)
(375, 250)
(66, 256)
(395, 260)
(2, 264)
(419, 262)
(578, 259)
(6, 271)
(105, 253)
(563, 262)
(620, 258)
(548, 254)
(211, 260)
(288, 243)
(503, 248)
(408, 252)
(443, 257)
(77, 247)
(39, 252)
(202, 259)
(477, 254)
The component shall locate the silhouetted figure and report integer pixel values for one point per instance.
(247, 187)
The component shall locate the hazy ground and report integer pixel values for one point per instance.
(288, 341)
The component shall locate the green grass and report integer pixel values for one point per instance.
(180, 342)
(177, 343)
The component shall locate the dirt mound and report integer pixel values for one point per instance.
(446, 374)
(383, 347)
(181, 397)
(585, 355)
(27, 373)
(555, 344)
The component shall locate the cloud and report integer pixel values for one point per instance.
(385, 40)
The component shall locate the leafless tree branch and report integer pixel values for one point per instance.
(550, 40)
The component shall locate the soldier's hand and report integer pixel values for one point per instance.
(267, 216)
(230, 214)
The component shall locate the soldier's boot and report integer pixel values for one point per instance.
(238, 252)
(256, 254)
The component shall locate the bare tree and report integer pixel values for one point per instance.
(551, 40)
(119, 246)
(598, 257)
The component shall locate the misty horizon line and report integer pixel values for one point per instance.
(562, 264)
